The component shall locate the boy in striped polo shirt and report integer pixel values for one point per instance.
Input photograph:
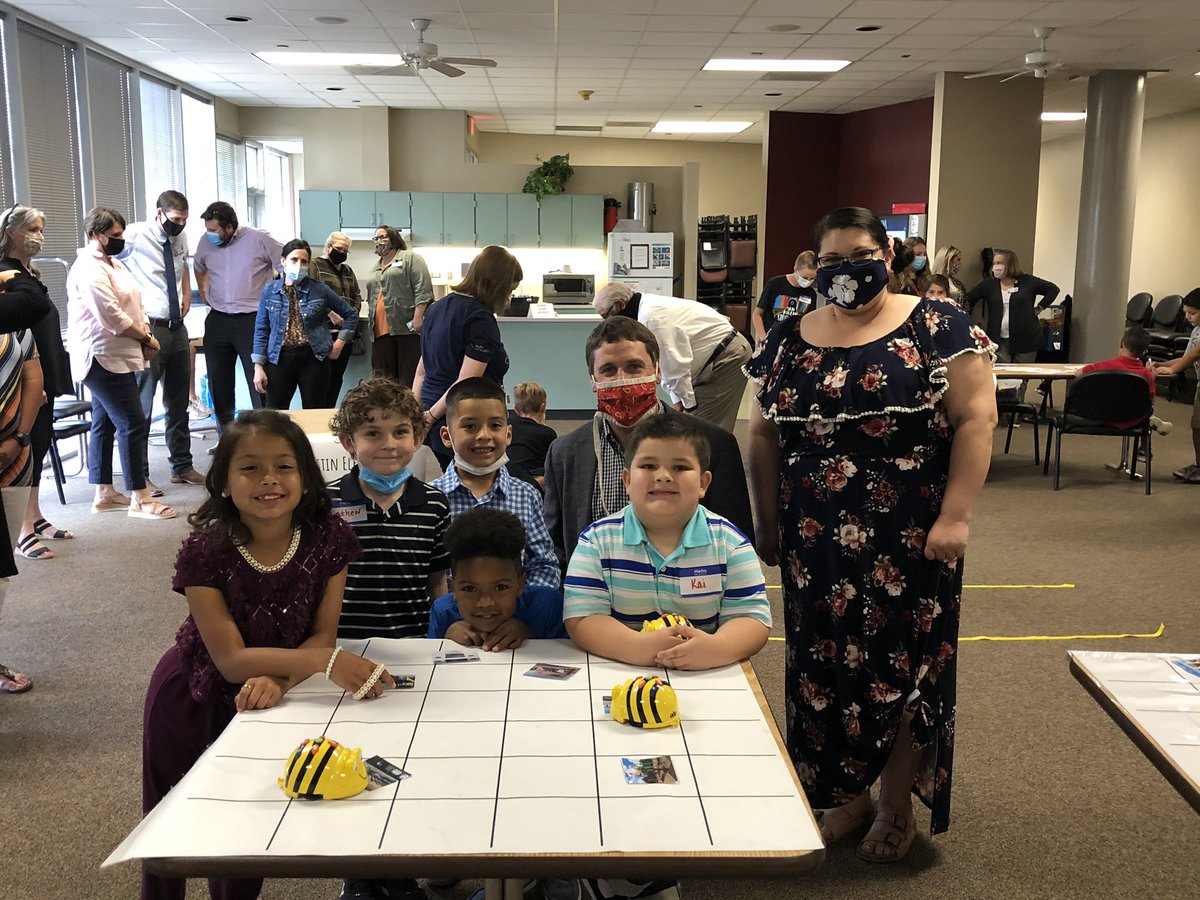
(665, 553)
(399, 520)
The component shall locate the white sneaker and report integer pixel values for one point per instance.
(1158, 426)
(197, 410)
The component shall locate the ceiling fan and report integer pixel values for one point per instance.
(1038, 63)
(421, 55)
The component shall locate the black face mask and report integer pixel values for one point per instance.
(337, 257)
(171, 229)
(114, 246)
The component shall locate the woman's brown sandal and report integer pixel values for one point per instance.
(894, 845)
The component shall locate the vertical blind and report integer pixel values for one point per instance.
(49, 102)
(161, 139)
(7, 189)
(112, 137)
(231, 175)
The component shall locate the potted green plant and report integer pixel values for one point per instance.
(550, 177)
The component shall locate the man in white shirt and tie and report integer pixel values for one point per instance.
(156, 255)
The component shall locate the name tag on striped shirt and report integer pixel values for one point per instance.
(698, 581)
(350, 513)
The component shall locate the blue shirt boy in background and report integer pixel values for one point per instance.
(490, 604)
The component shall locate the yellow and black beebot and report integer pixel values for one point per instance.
(322, 769)
(666, 620)
(645, 702)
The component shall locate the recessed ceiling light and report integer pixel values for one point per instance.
(313, 58)
(710, 127)
(237, 18)
(330, 20)
(868, 27)
(334, 89)
(783, 26)
(1063, 116)
(282, 45)
(776, 65)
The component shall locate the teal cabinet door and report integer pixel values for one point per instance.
(491, 220)
(587, 221)
(319, 215)
(554, 221)
(392, 208)
(358, 210)
(522, 220)
(458, 220)
(427, 219)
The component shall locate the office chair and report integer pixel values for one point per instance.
(1139, 310)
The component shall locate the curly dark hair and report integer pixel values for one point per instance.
(218, 515)
(377, 392)
(485, 532)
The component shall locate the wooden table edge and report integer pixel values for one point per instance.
(1188, 789)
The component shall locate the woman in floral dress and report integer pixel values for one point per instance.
(871, 440)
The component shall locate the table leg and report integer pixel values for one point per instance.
(504, 889)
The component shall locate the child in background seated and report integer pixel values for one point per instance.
(399, 520)
(531, 436)
(1134, 346)
(478, 432)
(263, 574)
(665, 553)
(491, 606)
(1189, 474)
(939, 288)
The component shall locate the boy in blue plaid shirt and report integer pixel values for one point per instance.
(478, 432)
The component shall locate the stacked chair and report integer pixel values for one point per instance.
(728, 261)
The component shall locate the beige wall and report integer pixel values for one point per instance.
(1165, 232)
(983, 178)
(228, 117)
(343, 148)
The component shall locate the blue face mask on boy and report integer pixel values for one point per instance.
(385, 484)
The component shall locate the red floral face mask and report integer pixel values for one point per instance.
(627, 400)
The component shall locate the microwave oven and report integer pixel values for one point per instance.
(566, 288)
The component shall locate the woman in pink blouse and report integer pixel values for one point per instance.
(110, 342)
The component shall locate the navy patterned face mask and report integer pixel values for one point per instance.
(851, 286)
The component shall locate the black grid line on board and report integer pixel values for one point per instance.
(324, 730)
(691, 765)
(595, 755)
(512, 663)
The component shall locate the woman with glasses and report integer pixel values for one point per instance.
(111, 341)
(20, 241)
(946, 262)
(1009, 296)
(399, 292)
(332, 269)
(870, 443)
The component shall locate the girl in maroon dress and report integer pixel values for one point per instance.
(263, 574)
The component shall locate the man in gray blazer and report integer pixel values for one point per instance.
(583, 468)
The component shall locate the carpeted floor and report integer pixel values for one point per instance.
(1050, 798)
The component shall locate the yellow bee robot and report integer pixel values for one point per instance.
(666, 620)
(645, 702)
(322, 769)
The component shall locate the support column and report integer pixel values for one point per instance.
(1111, 148)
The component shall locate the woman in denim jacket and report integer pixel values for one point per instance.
(292, 342)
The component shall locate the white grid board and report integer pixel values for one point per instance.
(500, 763)
(1157, 696)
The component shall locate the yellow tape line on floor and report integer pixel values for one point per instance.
(1052, 637)
(991, 587)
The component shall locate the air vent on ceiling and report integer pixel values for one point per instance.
(587, 129)
(629, 124)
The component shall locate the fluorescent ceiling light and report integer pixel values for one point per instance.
(1063, 116)
(667, 127)
(760, 64)
(287, 58)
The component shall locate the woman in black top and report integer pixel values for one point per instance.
(1009, 296)
(20, 242)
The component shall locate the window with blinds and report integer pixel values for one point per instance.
(231, 175)
(111, 129)
(162, 139)
(49, 95)
(7, 186)
(199, 160)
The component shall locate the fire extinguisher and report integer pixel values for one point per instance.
(610, 214)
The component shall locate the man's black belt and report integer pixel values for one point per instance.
(166, 323)
(721, 348)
